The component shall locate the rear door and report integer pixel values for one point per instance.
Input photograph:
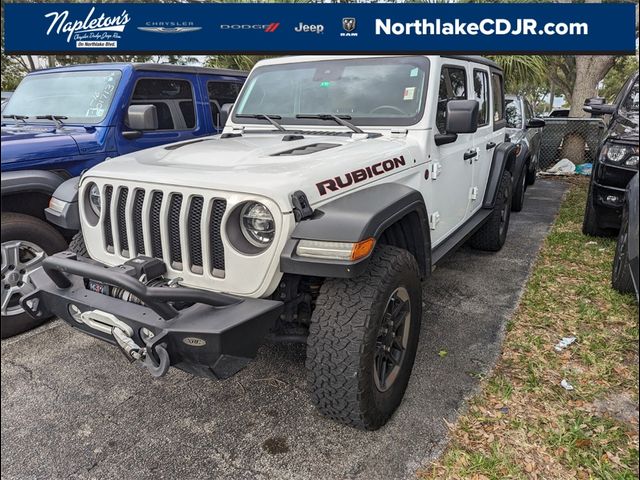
(484, 140)
(174, 97)
(219, 90)
(490, 136)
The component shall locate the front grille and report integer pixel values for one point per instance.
(182, 230)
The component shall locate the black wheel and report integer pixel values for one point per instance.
(77, 245)
(621, 274)
(517, 202)
(532, 173)
(363, 339)
(26, 241)
(492, 235)
(590, 224)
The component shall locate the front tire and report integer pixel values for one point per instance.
(26, 241)
(620, 274)
(363, 339)
(518, 193)
(493, 234)
(590, 224)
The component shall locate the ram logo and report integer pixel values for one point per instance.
(194, 341)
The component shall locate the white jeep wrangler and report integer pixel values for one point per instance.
(337, 186)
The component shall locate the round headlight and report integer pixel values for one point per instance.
(257, 224)
(94, 198)
(616, 153)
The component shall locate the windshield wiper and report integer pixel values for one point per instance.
(269, 118)
(16, 117)
(339, 119)
(56, 118)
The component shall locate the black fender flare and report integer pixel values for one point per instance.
(30, 181)
(354, 217)
(67, 214)
(504, 156)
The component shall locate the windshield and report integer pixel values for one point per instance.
(82, 97)
(630, 103)
(514, 113)
(370, 91)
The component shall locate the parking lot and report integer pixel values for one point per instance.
(72, 407)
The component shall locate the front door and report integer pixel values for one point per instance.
(451, 172)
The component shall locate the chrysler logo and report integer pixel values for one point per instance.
(349, 24)
(169, 29)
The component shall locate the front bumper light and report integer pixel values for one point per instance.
(335, 250)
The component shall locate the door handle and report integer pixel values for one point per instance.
(470, 154)
(490, 145)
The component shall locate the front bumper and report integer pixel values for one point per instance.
(215, 336)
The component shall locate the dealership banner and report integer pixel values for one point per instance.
(83, 28)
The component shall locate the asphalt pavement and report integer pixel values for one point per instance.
(72, 407)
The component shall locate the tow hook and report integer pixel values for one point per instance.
(133, 352)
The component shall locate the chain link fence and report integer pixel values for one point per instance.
(585, 133)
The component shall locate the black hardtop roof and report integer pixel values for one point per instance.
(167, 67)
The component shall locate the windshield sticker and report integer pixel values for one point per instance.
(414, 72)
(325, 84)
(409, 93)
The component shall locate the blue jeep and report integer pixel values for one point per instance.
(62, 121)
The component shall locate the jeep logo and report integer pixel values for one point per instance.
(194, 341)
(304, 28)
(343, 181)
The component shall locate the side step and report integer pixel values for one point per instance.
(460, 236)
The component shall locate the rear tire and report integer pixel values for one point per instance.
(621, 274)
(353, 378)
(590, 224)
(493, 234)
(26, 241)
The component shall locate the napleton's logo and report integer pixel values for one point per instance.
(91, 28)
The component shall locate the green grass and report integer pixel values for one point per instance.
(549, 432)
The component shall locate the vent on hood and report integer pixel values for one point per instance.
(307, 149)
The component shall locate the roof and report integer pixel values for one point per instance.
(475, 59)
(312, 58)
(150, 67)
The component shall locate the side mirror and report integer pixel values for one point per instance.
(225, 111)
(596, 106)
(142, 117)
(535, 123)
(462, 117)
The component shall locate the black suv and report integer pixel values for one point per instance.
(616, 162)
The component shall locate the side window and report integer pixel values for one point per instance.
(219, 94)
(498, 97)
(513, 113)
(481, 94)
(529, 110)
(170, 97)
(453, 86)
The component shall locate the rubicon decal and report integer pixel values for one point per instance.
(357, 176)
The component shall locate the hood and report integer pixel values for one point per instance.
(266, 164)
(28, 145)
(624, 128)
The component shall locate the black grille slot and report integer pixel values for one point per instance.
(174, 227)
(108, 232)
(122, 219)
(138, 201)
(195, 237)
(215, 223)
(154, 217)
